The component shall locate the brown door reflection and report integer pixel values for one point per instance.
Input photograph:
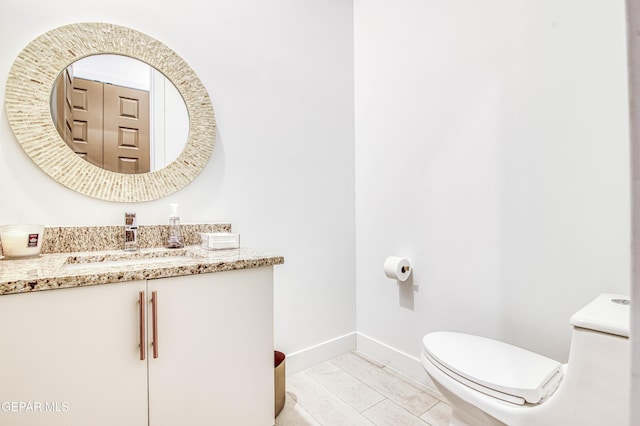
(106, 124)
(126, 129)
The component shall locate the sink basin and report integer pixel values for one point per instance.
(95, 261)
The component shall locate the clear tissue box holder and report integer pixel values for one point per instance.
(220, 240)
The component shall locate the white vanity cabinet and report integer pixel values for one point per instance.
(215, 350)
(72, 356)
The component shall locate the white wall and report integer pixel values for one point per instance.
(280, 75)
(492, 150)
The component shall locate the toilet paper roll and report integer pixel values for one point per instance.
(397, 268)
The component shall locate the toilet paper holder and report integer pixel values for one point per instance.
(396, 267)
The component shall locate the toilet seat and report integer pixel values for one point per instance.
(494, 368)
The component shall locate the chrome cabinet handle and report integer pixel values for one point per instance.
(154, 310)
(141, 301)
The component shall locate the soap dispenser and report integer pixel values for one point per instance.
(175, 233)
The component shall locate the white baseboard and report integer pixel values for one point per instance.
(404, 363)
(317, 354)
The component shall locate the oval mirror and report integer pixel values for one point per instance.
(119, 114)
(27, 99)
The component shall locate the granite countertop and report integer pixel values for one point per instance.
(76, 269)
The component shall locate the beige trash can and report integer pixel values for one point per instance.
(279, 379)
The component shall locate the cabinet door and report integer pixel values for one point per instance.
(71, 357)
(215, 350)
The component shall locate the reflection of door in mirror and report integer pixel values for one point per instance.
(119, 138)
(83, 117)
(126, 129)
(106, 124)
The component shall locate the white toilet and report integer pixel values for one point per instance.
(492, 383)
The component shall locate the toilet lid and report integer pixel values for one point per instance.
(498, 369)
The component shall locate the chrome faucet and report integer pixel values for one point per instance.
(130, 232)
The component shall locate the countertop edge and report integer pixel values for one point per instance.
(49, 274)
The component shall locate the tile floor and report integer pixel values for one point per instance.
(355, 390)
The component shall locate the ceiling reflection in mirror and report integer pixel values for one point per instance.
(119, 114)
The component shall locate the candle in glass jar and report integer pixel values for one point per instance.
(21, 240)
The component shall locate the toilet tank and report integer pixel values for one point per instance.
(607, 313)
(597, 378)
